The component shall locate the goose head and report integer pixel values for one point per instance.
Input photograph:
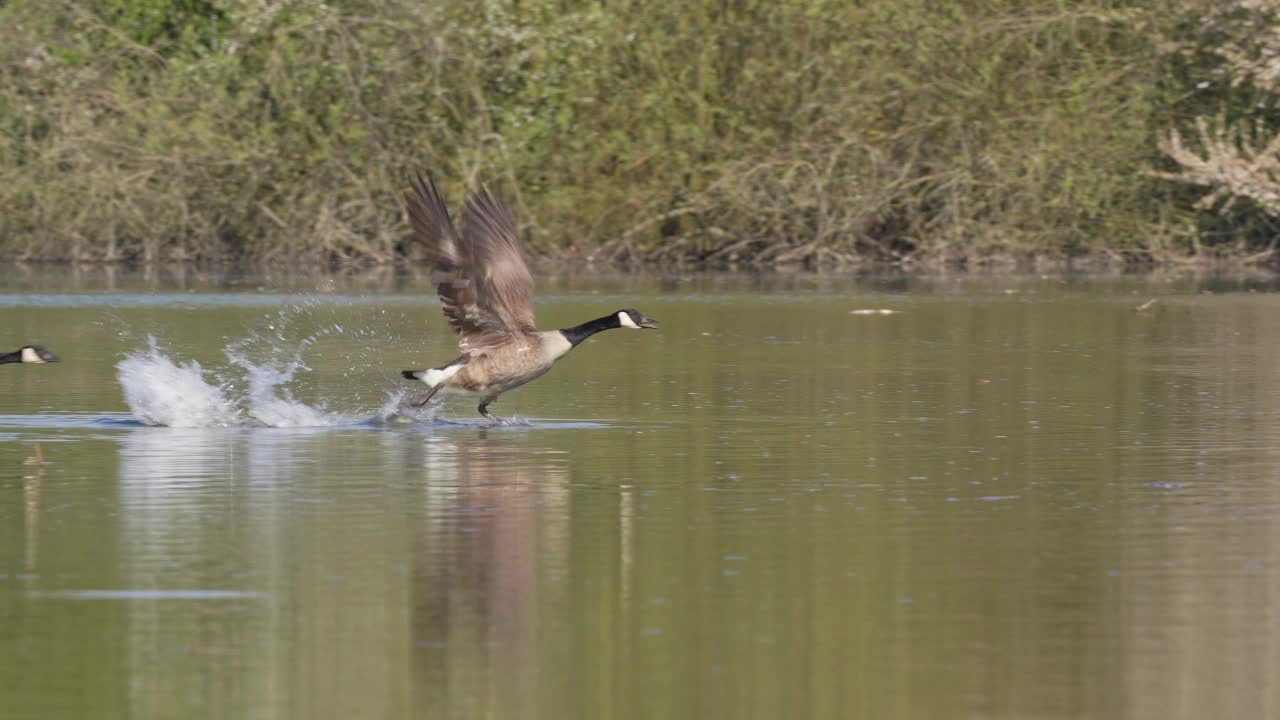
(636, 320)
(36, 354)
(29, 354)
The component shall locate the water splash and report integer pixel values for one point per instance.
(160, 391)
(266, 371)
(271, 403)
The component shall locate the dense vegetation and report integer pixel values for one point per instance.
(734, 131)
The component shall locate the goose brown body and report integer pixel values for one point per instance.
(511, 364)
(486, 293)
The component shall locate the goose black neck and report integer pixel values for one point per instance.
(578, 333)
(13, 357)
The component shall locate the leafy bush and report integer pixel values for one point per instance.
(1230, 68)
(729, 131)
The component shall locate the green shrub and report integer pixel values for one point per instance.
(729, 131)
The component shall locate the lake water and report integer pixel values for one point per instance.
(1005, 498)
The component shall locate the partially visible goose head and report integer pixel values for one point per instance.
(636, 320)
(29, 354)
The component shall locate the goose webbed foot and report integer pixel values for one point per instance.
(484, 410)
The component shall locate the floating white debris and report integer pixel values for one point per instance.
(875, 311)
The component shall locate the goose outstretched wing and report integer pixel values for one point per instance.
(481, 276)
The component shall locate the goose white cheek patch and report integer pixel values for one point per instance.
(29, 355)
(627, 322)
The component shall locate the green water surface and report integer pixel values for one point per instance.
(1006, 499)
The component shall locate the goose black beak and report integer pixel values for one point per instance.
(44, 355)
(647, 323)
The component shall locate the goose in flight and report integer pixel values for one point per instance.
(487, 295)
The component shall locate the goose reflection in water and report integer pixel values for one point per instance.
(497, 529)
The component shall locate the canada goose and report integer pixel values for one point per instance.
(487, 296)
(33, 354)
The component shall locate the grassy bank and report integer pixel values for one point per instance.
(727, 131)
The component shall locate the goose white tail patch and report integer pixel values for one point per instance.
(435, 376)
(626, 321)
